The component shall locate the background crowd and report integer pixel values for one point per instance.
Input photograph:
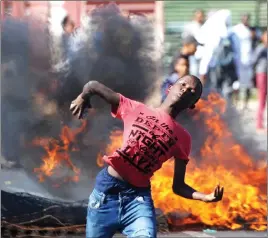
(231, 60)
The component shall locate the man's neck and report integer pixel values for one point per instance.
(197, 23)
(169, 110)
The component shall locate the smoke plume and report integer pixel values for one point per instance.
(42, 74)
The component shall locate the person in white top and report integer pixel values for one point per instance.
(192, 29)
(214, 32)
(243, 60)
(211, 33)
(194, 26)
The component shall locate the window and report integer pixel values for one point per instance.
(7, 8)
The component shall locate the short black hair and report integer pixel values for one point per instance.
(246, 14)
(199, 10)
(199, 85)
(190, 39)
(65, 21)
(176, 61)
(186, 57)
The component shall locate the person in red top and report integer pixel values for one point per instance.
(121, 200)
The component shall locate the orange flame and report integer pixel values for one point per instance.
(224, 161)
(117, 138)
(57, 152)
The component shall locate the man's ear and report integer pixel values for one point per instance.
(192, 107)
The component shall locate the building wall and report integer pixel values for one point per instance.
(38, 9)
(179, 13)
(76, 9)
(2, 9)
(146, 7)
(12, 8)
(182, 11)
(56, 10)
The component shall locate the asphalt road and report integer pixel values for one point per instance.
(188, 234)
(212, 235)
(230, 234)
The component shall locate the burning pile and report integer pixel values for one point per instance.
(224, 161)
(57, 154)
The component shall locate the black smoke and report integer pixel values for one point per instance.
(37, 89)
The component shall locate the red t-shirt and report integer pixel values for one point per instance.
(150, 138)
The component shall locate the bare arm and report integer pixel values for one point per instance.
(182, 189)
(96, 88)
(82, 102)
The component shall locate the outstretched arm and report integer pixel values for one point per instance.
(182, 189)
(94, 88)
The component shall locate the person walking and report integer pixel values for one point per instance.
(259, 62)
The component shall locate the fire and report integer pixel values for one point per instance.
(116, 138)
(223, 161)
(57, 154)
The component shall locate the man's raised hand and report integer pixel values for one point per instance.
(78, 106)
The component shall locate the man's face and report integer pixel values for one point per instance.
(245, 20)
(182, 67)
(199, 17)
(69, 27)
(264, 38)
(191, 48)
(184, 93)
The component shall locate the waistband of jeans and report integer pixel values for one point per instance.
(112, 178)
(126, 188)
(122, 194)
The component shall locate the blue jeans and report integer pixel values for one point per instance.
(115, 205)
